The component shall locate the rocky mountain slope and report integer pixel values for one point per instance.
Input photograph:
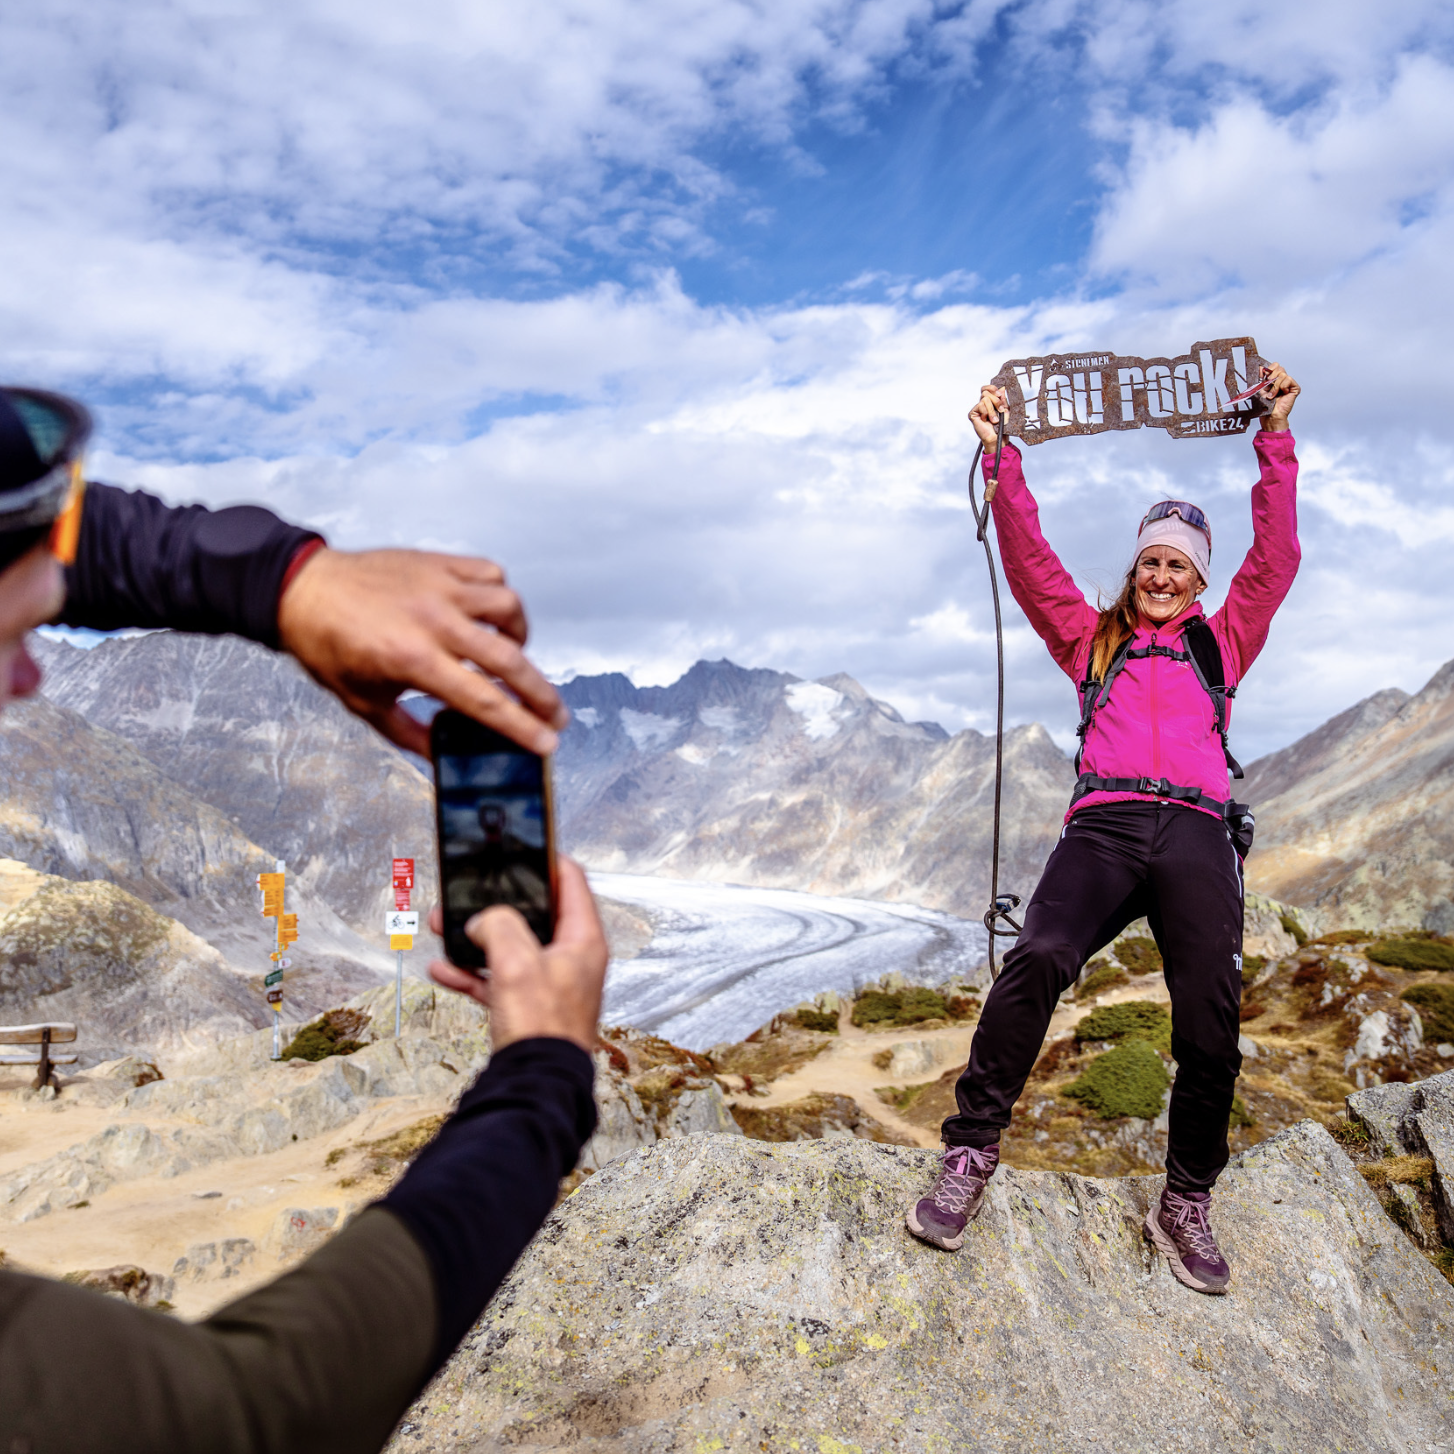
(1356, 820)
(722, 1293)
(757, 777)
(81, 803)
(248, 732)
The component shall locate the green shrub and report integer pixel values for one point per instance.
(1295, 929)
(1343, 936)
(824, 1021)
(962, 1007)
(1252, 966)
(899, 1007)
(1240, 1116)
(1130, 1080)
(1130, 1020)
(332, 1034)
(1435, 1004)
(1139, 954)
(1100, 976)
(1413, 954)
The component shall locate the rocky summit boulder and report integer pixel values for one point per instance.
(719, 1293)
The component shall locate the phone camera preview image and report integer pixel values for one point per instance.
(494, 841)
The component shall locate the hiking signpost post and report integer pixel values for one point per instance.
(273, 886)
(401, 926)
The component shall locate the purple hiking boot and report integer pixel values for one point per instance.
(1179, 1230)
(954, 1199)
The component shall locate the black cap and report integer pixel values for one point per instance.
(41, 434)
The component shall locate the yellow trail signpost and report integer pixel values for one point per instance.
(273, 887)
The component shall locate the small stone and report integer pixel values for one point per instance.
(1444, 1050)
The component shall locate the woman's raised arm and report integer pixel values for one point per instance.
(1062, 617)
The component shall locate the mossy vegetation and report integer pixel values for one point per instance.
(1139, 954)
(335, 1033)
(1130, 1080)
(1100, 975)
(1252, 966)
(824, 1022)
(1342, 936)
(1240, 1115)
(1291, 925)
(1435, 1004)
(1350, 1135)
(1411, 953)
(1129, 1020)
(910, 1006)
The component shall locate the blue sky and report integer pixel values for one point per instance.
(675, 309)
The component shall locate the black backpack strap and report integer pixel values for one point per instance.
(1093, 693)
(1206, 662)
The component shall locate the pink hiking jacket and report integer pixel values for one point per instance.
(1158, 722)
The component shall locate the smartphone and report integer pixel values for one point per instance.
(496, 825)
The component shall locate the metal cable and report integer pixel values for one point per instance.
(1000, 904)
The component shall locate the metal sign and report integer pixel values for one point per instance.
(273, 976)
(397, 923)
(401, 941)
(1209, 390)
(275, 997)
(403, 881)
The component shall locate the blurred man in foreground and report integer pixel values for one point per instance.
(330, 1355)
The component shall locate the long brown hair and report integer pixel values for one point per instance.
(1117, 624)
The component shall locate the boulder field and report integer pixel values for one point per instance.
(719, 1293)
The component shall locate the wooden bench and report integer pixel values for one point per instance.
(42, 1037)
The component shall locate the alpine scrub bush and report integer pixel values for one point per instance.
(1252, 966)
(332, 1034)
(1100, 975)
(1130, 1020)
(899, 1007)
(823, 1021)
(1240, 1116)
(1435, 1004)
(1130, 1080)
(1412, 954)
(1139, 955)
(1297, 931)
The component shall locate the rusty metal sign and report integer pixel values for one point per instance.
(1210, 390)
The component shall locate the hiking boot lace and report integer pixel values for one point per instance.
(963, 1173)
(1190, 1220)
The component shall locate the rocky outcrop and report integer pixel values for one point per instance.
(716, 1293)
(1414, 1120)
(131, 978)
(80, 803)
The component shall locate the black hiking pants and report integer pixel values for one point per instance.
(1114, 863)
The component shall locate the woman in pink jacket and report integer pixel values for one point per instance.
(1148, 831)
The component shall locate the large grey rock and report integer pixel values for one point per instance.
(1415, 1119)
(718, 1293)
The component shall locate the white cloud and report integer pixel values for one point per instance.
(784, 484)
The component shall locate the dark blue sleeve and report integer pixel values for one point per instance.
(479, 1191)
(142, 562)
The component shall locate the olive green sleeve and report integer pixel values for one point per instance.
(325, 1360)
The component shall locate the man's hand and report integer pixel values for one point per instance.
(370, 625)
(530, 991)
(985, 415)
(1280, 390)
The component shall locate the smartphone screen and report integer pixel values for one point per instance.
(496, 835)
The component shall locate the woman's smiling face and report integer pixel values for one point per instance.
(1166, 583)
